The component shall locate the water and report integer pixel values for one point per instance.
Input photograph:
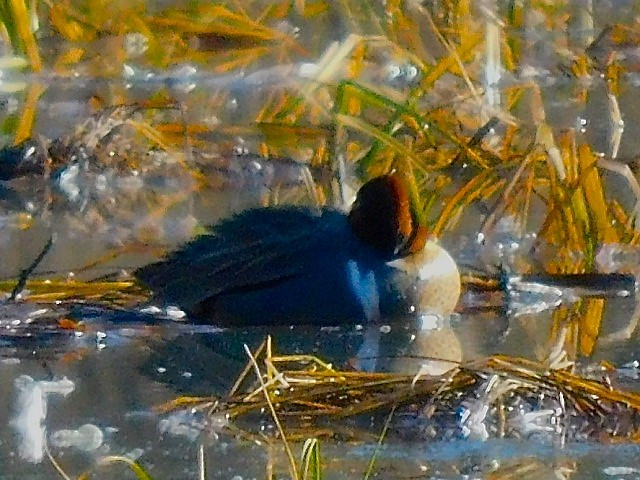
(116, 188)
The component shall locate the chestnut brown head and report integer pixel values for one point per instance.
(381, 216)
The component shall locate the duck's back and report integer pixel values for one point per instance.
(273, 265)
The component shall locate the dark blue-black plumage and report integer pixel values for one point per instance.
(277, 266)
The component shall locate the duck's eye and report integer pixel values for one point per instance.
(381, 217)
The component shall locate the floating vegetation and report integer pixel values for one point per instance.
(137, 469)
(494, 398)
(108, 293)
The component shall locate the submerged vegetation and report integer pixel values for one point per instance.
(486, 109)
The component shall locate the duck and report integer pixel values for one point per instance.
(293, 265)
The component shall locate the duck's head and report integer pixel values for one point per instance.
(382, 218)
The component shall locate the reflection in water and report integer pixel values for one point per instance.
(434, 349)
(87, 437)
(426, 345)
(30, 419)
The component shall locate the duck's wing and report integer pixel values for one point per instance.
(255, 249)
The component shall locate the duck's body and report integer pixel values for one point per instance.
(293, 265)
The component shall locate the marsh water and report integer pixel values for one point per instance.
(189, 144)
